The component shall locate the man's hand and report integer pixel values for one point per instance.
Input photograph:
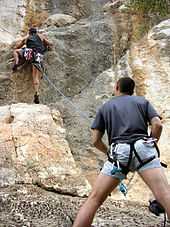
(46, 42)
(97, 140)
(156, 127)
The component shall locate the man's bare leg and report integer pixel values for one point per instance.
(156, 180)
(36, 75)
(16, 54)
(103, 186)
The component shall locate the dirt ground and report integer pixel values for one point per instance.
(30, 206)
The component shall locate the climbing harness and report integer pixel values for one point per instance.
(122, 170)
(38, 58)
(28, 54)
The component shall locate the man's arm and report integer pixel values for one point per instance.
(97, 140)
(21, 43)
(156, 127)
(46, 42)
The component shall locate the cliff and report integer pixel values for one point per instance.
(47, 162)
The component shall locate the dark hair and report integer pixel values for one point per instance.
(32, 31)
(126, 85)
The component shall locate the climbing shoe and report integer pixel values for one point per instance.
(36, 99)
(156, 208)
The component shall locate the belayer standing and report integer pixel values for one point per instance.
(126, 118)
(31, 48)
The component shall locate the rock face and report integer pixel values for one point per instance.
(50, 147)
(81, 51)
(34, 150)
(12, 16)
(98, 92)
(151, 64)
(84, 49)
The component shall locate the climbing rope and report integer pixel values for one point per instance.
(130, 181)
(5, 30)
(66, 98)
(164, 219)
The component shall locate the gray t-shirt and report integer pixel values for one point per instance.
(124, 118)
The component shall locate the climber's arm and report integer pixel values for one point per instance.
(156, 127)
(20, 43)
(46, 42)
(97, 140)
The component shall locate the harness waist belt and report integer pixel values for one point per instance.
(126, 169)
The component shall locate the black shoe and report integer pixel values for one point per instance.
(14, 68)
(36, 99)
(156, 208)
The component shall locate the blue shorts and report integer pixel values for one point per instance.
(122, 151)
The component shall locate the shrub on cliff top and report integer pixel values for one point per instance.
(150, 6)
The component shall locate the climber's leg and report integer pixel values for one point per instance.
(16, 54)
(156, 180)
(102, 188)
(36, 75)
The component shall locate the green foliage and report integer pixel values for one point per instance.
(149, 6)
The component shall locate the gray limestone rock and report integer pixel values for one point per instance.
(82, 51)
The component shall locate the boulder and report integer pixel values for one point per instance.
(59, 20)
(78, 9)
(161, 31)
(33, 150)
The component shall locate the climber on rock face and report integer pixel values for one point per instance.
(31, 48)
(126, 118)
